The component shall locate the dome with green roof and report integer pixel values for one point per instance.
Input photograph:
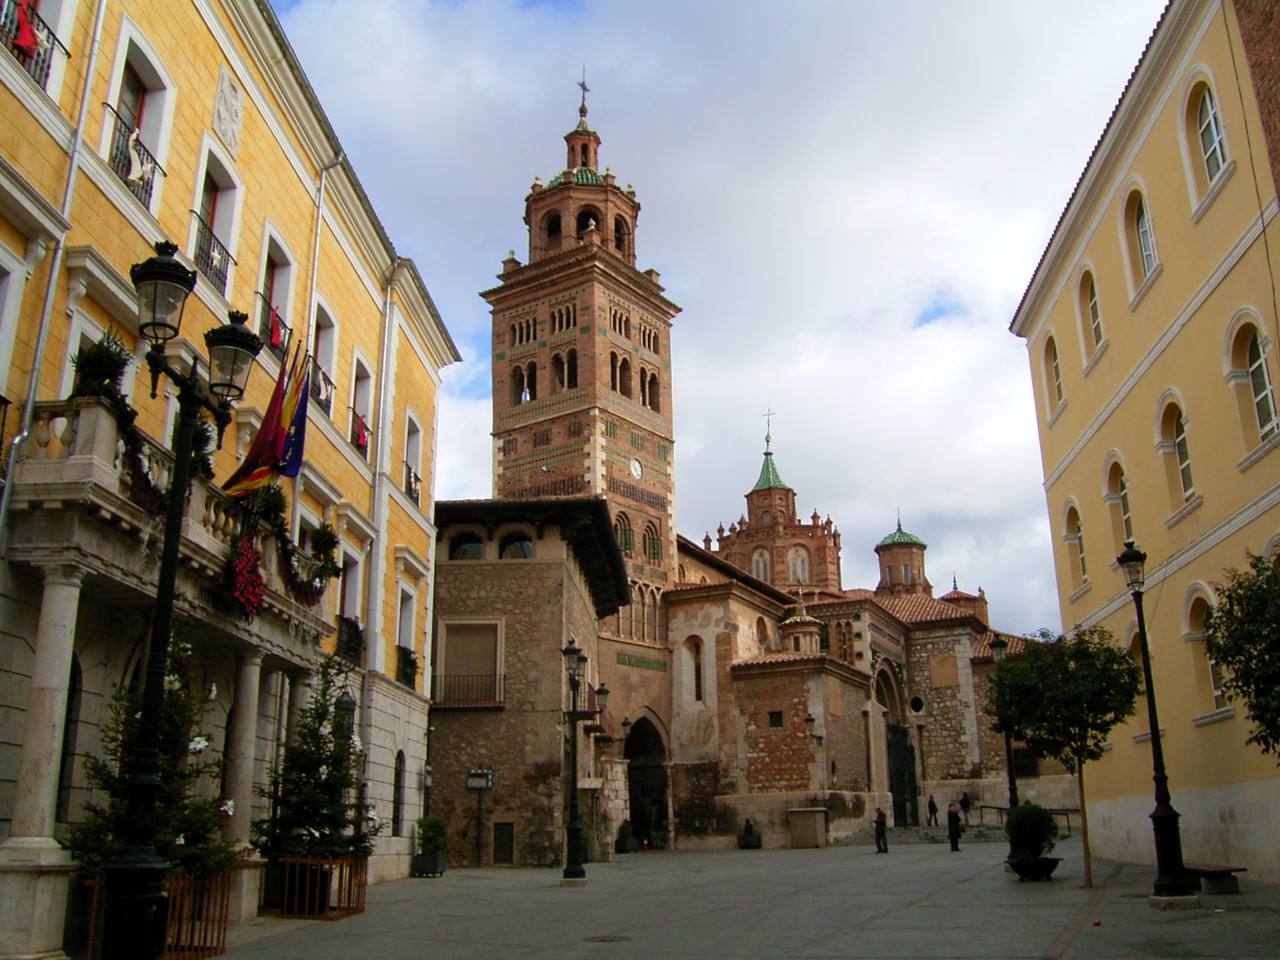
(769, 478)
(901, 536)
(582, 176)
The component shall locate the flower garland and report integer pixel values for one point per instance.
(248, 589)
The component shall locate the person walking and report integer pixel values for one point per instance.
(953, 827)
(933, 813)
(965, 804)
(882, 831)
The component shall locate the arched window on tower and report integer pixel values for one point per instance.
(622, 532)
(571, 370)
(644, 387)
(654, 403)
(531, 380)
(588, 219)
(760, 565)
(613, 371)
(652, 544)
(586, 156)
(798, 560)
(516, 546)
(557, 373)
(621, 235)
(517, 385)
(624, 377)
(553, 229)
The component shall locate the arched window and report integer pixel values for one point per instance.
(652, 543)
(694, 647)
(1052, 374)
(613, 371)
(1090, 314)
(654, 404)
(622, 533)
(624, 377)
(621, 235)
(517, 385)
(762, 633)
(531, 380)
(1140, 238)
(1176, 454)
(571, 369)
(798, 560)
(70, 730)
(1264, 403)
(1117, 498)
(760, 565)
(557, 373)
(1074, 537)
(1207, 132)
(1211, 672)
(588, 217)
(466, 546)
(516, 546)
(1252, 378)
(397, 796)
(553, 229)
(644, 387)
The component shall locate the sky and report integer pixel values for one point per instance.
(847, 199)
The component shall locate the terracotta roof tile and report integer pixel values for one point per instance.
(781, 656)
(919, 608)
(957, 595)
(982, 649)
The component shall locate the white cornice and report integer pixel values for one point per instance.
(320, 486)
(24, 207)
(409, 562)
(89, 273)
(350, 516)
(1132, 121)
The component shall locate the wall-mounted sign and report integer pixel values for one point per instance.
(481, 779)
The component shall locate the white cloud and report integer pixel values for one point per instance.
(813, 176)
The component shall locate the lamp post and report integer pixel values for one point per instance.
(135, 907)
(1171, 877)
(575, 665)
(999, 648)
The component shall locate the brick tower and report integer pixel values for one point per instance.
(582, 363)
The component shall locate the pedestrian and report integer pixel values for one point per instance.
(965, 804)
(953, 827)
(882, 831)
(933, 813)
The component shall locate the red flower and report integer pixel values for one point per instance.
(248, 588)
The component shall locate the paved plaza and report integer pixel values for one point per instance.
(920, 901)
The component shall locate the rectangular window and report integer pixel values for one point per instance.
(775, 719)
(637, 441)
(1215, 680)
(542, 438)
(611, 430)
(1145, 242)
(469, 672)
(1184, 459)
(404, 625)
(906, 573)
(509, 447)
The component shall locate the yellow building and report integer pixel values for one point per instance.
(124, 123)
(1151, 325)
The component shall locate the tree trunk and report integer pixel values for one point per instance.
(1084, 829)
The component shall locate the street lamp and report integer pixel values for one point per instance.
(575, 665)
(1171, 877)
(999, 648)
(135, 904)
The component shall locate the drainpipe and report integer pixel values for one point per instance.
(55, 266)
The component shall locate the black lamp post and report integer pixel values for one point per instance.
(1171, 876)
(999, 648)
(575, 665)
(135, 905)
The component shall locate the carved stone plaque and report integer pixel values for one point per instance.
(228, 111)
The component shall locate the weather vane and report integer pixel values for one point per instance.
(583, 85)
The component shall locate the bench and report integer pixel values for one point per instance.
(1215, 879)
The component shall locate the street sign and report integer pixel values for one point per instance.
(481, 779)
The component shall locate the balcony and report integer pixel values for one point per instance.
(412, 484)
(321, 389)
(212, 258)
(272, 329)
(133, 163)
(360, 433)
(466, 690)
(406, 666)
(350, 640)
(29, 39)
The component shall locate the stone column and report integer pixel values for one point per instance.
(34, 869)
(238, 783)
(299, 697)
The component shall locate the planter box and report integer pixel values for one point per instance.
(323, 888)
(1040, 869)
(196, 920)
(428, 864)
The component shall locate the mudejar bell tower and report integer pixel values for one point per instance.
(582, 368)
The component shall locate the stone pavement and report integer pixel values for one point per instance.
(920, 901)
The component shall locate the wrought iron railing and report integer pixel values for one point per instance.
(321, 387)
(406, 666)
(4, 435)
(412, 484)
(466, 689)
(133, 163)
(350, 640)
(275, 333)
(32, 42)
(360, 433)
(212, 257)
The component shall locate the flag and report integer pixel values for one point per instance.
(295, 436)
(275, 328)
(263, 457)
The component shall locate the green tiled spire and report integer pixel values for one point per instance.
(769, 479)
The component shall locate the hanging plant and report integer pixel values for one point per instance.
(306, 577)
(246, 587)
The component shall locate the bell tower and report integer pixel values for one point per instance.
(581, 347)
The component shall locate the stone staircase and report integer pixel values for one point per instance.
(974, 833)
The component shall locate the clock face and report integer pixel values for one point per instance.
(637, 470)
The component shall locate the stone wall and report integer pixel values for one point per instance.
(939, 672)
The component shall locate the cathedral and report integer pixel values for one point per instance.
(744, 681)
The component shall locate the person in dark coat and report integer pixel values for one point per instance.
(953, 827)
(965, 804)
(933, 813)
(882, 831)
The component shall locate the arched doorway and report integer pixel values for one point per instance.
(901, 755)
(647, 783)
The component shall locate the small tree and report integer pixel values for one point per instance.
(1243, 636)
(318, 808)
(1063, 695)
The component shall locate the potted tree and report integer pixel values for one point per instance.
(1032, 831)
(433, 848)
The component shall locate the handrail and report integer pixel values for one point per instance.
(322, 387)
(38, 62)
(212, 257)
(132, 160)
(278, 345)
